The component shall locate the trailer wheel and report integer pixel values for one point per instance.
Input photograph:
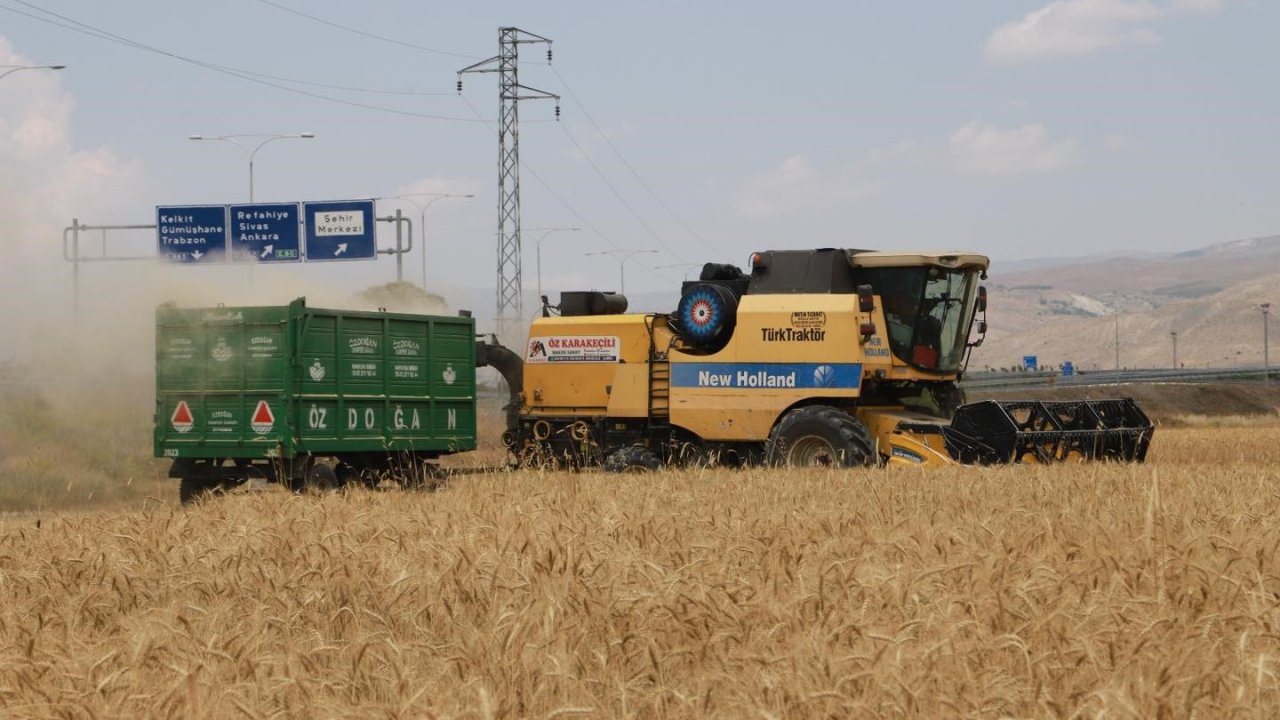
(820, 436)
(320, 478)
(634, 458)
(191, 490)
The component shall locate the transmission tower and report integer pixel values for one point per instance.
(510, 93)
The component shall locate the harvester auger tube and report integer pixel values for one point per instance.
(994, 432)
(489, 353)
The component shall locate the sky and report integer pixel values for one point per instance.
(690, 132)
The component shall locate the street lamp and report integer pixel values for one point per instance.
(1266, 344)
(684, 266)
(1174, 335)
(538, 249)
(19, 68)
(622, 256)
(407, 197)
(235, 140)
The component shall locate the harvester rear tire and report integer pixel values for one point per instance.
(634, 458)
(820, 435)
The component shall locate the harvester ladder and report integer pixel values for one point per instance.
(659, 383)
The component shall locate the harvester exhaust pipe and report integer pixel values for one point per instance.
(511, 366)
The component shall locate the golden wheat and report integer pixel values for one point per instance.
(1084, 591)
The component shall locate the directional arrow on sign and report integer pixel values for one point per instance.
(197, 254)
(342, 247)
(267, 250)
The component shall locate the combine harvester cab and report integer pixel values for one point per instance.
(811, 357)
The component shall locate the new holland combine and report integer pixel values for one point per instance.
(818, 357)
(822, 357)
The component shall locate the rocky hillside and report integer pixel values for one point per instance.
(1072, 310)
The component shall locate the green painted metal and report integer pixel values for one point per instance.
(283, 381)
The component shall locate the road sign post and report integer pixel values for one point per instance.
(339, 230)
(265, 233)
(192, 234)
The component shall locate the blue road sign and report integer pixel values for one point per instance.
(1029, 362)
(340, 230)
(1068, 369)
(265, 232)
(192, 234)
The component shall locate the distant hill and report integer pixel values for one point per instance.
(1070, 309)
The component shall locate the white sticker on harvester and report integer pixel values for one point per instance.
(573, 348)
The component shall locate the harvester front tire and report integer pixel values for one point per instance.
(635, 458)
(821, 436)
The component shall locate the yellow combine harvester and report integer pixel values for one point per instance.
(816, 357)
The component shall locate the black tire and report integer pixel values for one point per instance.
(820, 435)
(347, 474)
(706, 316)
(320, 478)
(191, 490)
(634, 458)
(421, 475)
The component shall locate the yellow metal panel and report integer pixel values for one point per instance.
(731, 415)
(578, 386)
(921, 258)
(911, 448)
(778, 338)
(630, 396)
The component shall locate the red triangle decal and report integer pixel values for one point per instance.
(182, 420)
(182, 413)
(263, 419)
(263, 414)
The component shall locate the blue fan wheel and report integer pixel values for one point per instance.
(706, 315)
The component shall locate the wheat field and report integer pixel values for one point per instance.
(1085, 591)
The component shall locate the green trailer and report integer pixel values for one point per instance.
(309, 397)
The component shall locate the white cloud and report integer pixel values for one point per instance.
(45, 181)
(796, 185)
(977, 149)
(1067, 28)
(1117, 142)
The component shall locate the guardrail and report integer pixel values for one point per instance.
(996, 380)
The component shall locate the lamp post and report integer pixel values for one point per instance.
(538, 249)
(236, 140)
(1266, 344)
(683, 266)
(11, 69)
(423, 208)
(622, 256)
(1174, 335)
(1117, 345)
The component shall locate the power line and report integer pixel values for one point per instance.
(618, 195)
(84, 29)
(570, 208)
(603, 136)
(363, 33)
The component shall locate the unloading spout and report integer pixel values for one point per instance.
(489, 353)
